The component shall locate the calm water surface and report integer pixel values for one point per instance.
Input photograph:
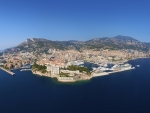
(124, 92)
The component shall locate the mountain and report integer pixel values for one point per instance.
(125, 38)
(117, 42)
(43, 45)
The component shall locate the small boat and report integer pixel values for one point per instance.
(94, 68)
(133, 67)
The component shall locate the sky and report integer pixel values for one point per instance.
(72, 20)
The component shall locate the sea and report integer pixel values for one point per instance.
(123, 92)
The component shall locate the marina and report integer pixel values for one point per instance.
(26, 66)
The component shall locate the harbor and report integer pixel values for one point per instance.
(26, 67)
(8, 71)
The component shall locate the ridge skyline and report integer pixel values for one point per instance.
(87, 39)
(117, 42)
(74, 40)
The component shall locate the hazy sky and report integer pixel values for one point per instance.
(72, 20)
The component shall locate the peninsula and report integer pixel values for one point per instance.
(72, 73)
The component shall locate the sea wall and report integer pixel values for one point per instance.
(66, 79)
(99, 74)
(7, 71)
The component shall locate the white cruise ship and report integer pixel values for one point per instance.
(122, 67)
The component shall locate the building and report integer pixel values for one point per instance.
(55, 70)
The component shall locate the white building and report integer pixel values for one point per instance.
(55, 70)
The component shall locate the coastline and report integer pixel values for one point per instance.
(71, 79)
(139, 58)
(93, 74)
(39, 73)
(61, 79)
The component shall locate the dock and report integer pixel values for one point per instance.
(7, 71)
(121, 70)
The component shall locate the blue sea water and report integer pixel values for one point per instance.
(123, 92)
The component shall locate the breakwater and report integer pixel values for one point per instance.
(7, 71)
(107, 73)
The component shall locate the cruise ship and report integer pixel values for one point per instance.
(122, 67)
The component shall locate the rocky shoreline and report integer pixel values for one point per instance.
(86, 77)
(41, 74)
(71, 79)
(62, 79)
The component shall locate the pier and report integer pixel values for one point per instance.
(7, 71)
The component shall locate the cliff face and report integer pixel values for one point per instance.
(41, 74)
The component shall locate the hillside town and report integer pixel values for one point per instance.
(58, 61)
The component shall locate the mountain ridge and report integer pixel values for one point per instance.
(117, 42)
